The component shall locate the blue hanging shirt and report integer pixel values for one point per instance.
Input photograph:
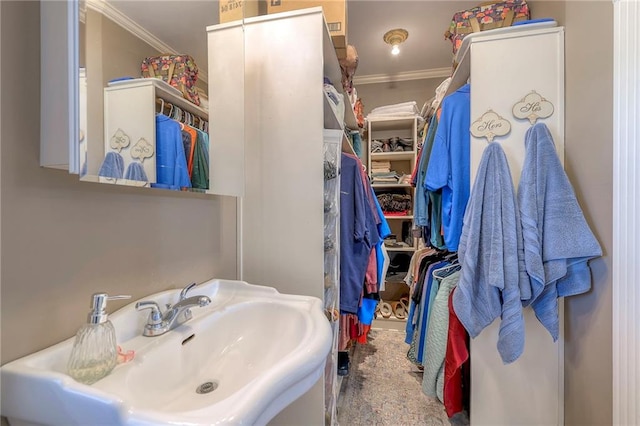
(171, 161)
(355, 235)
(449, 164)
(384, 231)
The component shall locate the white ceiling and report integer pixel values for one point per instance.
(426, 22)
(181, 25)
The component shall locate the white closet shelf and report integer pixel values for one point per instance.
(347, 148)
(390, 123)
(331, 66)
(389, 217)
(393, 156)
(164, 91)
(461, 74)
(408, 248)
(390, 185)
(331, 120)
(381, 128)
(350, 121)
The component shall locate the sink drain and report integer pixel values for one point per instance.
(207, 387)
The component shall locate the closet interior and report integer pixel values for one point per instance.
(403, 248)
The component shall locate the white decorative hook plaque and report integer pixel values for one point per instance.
(142, 149)
(490, 125)
(532, 107)
(119, 140)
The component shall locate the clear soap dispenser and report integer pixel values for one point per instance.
(94, 352)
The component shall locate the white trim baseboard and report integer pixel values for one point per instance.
(403, 76)
(107, 10)
(626, 213)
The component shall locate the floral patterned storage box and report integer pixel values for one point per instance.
(180, 71)
(486, 16)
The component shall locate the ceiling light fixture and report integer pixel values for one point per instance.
(395, 38)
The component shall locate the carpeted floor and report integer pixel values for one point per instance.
(384, 388)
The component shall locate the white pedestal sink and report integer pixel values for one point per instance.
(239, 360)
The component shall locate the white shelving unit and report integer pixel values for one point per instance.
(277, 164)
(402, 162)
(130, 107)
(530, 390)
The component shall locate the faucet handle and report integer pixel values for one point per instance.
(155, 316)
(183, 293)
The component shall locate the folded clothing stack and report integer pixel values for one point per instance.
(381, 177)
(380, 166)
(381, 173)
(406, 109)
(395, 203)
(401, 110)
(394, 144)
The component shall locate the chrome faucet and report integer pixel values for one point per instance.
(159, 323)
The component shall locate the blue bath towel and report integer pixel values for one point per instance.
(135, 171)
(112, 166)
(490, 254)
(557, 240)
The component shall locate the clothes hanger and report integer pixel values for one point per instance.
(445, 268)
(161, 105)
(451, 256)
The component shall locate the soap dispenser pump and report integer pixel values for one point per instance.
(94, 352)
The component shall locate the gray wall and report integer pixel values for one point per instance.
(379, 94)
(63, 240)
(589, 164)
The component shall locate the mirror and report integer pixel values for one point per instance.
(135, 128)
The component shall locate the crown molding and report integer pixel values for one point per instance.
(82, 14)
(108, 11)
(403, 76)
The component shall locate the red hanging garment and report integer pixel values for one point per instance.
(456, 356)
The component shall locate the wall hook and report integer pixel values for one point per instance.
(490, 125)
(533, 107)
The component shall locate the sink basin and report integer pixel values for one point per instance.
(239, 360)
